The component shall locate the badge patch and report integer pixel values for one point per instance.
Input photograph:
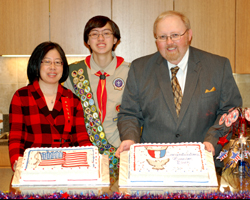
(80, 71)
(118, 84)
(75, 80)
(86, 82)
(87, 89)
(81, 91)
(81, 78)
(91, 102)
(79, 85)
(117, 108)
(74, 73)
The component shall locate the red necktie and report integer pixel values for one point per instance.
(102, 94)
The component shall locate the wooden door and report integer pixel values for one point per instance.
(242, 37)
(68, 19)
(135, 19)
(24, 24)
(213, 25)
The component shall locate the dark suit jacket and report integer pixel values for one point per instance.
(148, 100)
(33, 125)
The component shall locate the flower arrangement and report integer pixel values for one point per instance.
(237, 119)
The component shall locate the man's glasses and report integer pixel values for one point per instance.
(96, 34)
(173, 37)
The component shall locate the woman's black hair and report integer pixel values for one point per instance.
(34, 64)
(99, 22)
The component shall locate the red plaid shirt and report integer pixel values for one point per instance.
(33, 125)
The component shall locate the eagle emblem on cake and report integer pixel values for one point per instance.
(157, 153)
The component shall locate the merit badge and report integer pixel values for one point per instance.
(85, 82)
(118, 84)
(91, 138)
(91, 102)
(87, 89)
(91, 124)
(85, 104)
(89, 131)
(102, 135)
(94, 130)
(99, 128)
(81, 78)
(104, 142)
(74, 73)
(98, 143)
(80, 71)
(95, 115)
(112, 149)
(83, 98)
(90, 118)
(87, 125)
(79, 85)
(87, 110)
(98, 122)
(81, 91)
(75, 80)
(93, 108)
(96, 137)
(89, 95)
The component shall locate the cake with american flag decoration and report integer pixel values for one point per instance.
(62, 166)
(169, 164)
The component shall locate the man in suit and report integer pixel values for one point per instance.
(205, 86)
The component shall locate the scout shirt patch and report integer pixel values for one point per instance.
(117, 109)
(74, 73)
(118, 83)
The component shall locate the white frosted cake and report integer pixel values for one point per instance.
(171, 164)
(62, 166)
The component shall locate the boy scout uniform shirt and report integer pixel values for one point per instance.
(115, 84)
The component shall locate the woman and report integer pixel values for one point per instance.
(45, 114)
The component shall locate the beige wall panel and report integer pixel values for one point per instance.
(68, 19)
(135, 19)
(24, 24)
(213, 25)
(242, 37)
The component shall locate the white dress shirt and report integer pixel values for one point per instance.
(182, 73)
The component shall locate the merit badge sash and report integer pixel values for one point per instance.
(80, 81)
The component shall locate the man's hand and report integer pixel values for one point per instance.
(125, 145)
(209, 147)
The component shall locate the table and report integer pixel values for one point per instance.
(227, 181)
(230, 185)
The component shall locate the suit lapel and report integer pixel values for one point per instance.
(163, 77)
(191, 83)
